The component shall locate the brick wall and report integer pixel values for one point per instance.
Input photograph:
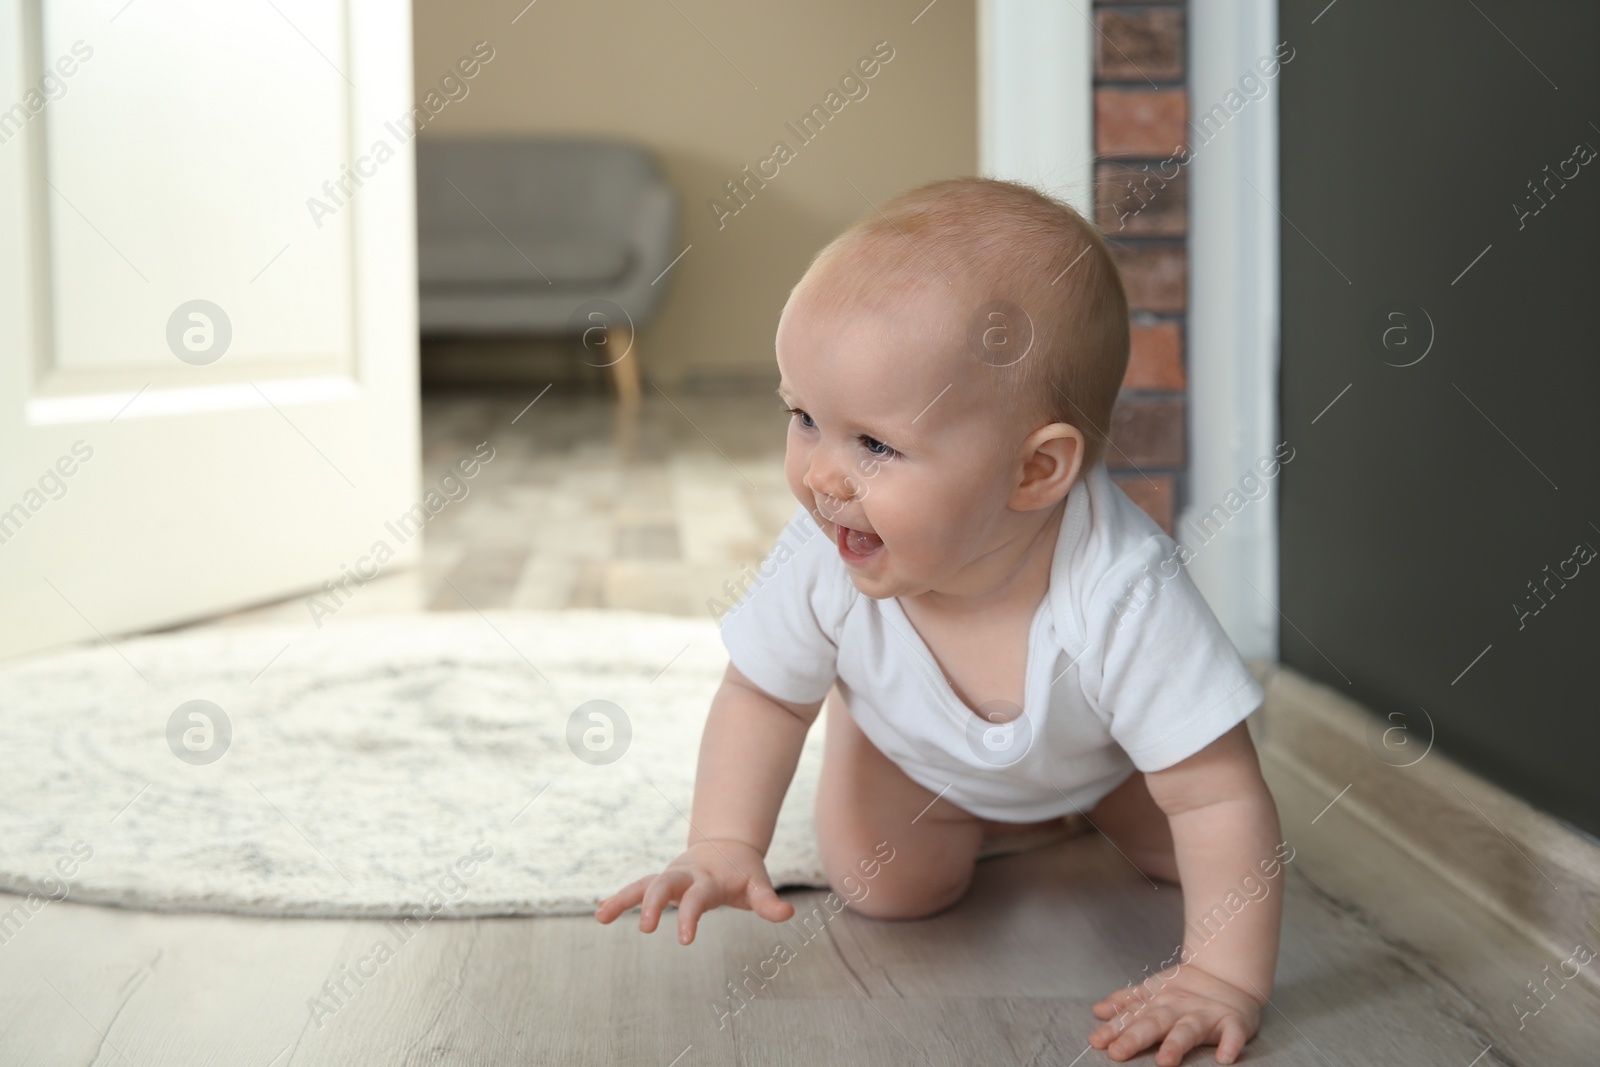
(1141, 113)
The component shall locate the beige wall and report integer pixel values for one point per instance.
(638, 68)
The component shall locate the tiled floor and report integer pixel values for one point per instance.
(577, 511)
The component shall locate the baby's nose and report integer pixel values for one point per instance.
(815, 482)
(830, 479)
(832, 504)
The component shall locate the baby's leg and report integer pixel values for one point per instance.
(864, 800)
(1131, 819)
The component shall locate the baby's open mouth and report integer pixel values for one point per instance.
(856, 544)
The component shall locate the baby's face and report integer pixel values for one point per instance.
(902, 457)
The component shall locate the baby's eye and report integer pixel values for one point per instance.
(805, 420)
(873, 445)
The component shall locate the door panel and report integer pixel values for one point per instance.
(148, 473)
(231, 107)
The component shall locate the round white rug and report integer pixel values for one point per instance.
(442, 763)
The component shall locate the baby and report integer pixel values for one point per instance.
(991, 621)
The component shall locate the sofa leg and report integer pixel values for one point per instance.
(625, 377)
(625, 371)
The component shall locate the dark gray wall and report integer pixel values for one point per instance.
(1422, 504)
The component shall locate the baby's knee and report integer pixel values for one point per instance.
(902, 894)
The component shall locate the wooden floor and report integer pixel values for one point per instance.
(1383, 962)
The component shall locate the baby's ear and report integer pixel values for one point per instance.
(1052, 457)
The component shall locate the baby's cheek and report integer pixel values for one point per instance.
(918, 523)
(793, 473)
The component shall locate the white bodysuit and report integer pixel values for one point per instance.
(1127, 666)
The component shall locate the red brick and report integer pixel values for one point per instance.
(1155, 359)
(1147, 433)
(1153, 494)
(1155, 276)
(1136, 201)
(1132, 123)
(1139, 45)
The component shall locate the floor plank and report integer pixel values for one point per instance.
(1007, 976)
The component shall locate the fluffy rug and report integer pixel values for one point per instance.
(474, 765)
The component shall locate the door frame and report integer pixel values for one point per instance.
(1234, 322)
(1036, 98)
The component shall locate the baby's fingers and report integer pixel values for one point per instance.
(623, 899)
(1112, 1006)
(1185, 1034)
(1145, 1030)
(1234, 1034)
(697, 900)
(663, 891)
(765, 902)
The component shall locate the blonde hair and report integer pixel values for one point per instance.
(1002, 248)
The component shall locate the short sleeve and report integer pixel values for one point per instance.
(783, 633)
(1166, 675)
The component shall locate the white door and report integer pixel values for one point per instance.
(208, 389)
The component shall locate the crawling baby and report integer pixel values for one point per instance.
(998, 631)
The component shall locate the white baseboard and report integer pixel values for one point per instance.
(1541, 876)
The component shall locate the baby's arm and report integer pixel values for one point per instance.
(1225, 835)
(748, 754)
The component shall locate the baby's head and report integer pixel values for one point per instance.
(954, 357)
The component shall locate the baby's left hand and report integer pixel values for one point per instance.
(1191, 1008)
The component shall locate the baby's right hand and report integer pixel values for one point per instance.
(710, 874)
